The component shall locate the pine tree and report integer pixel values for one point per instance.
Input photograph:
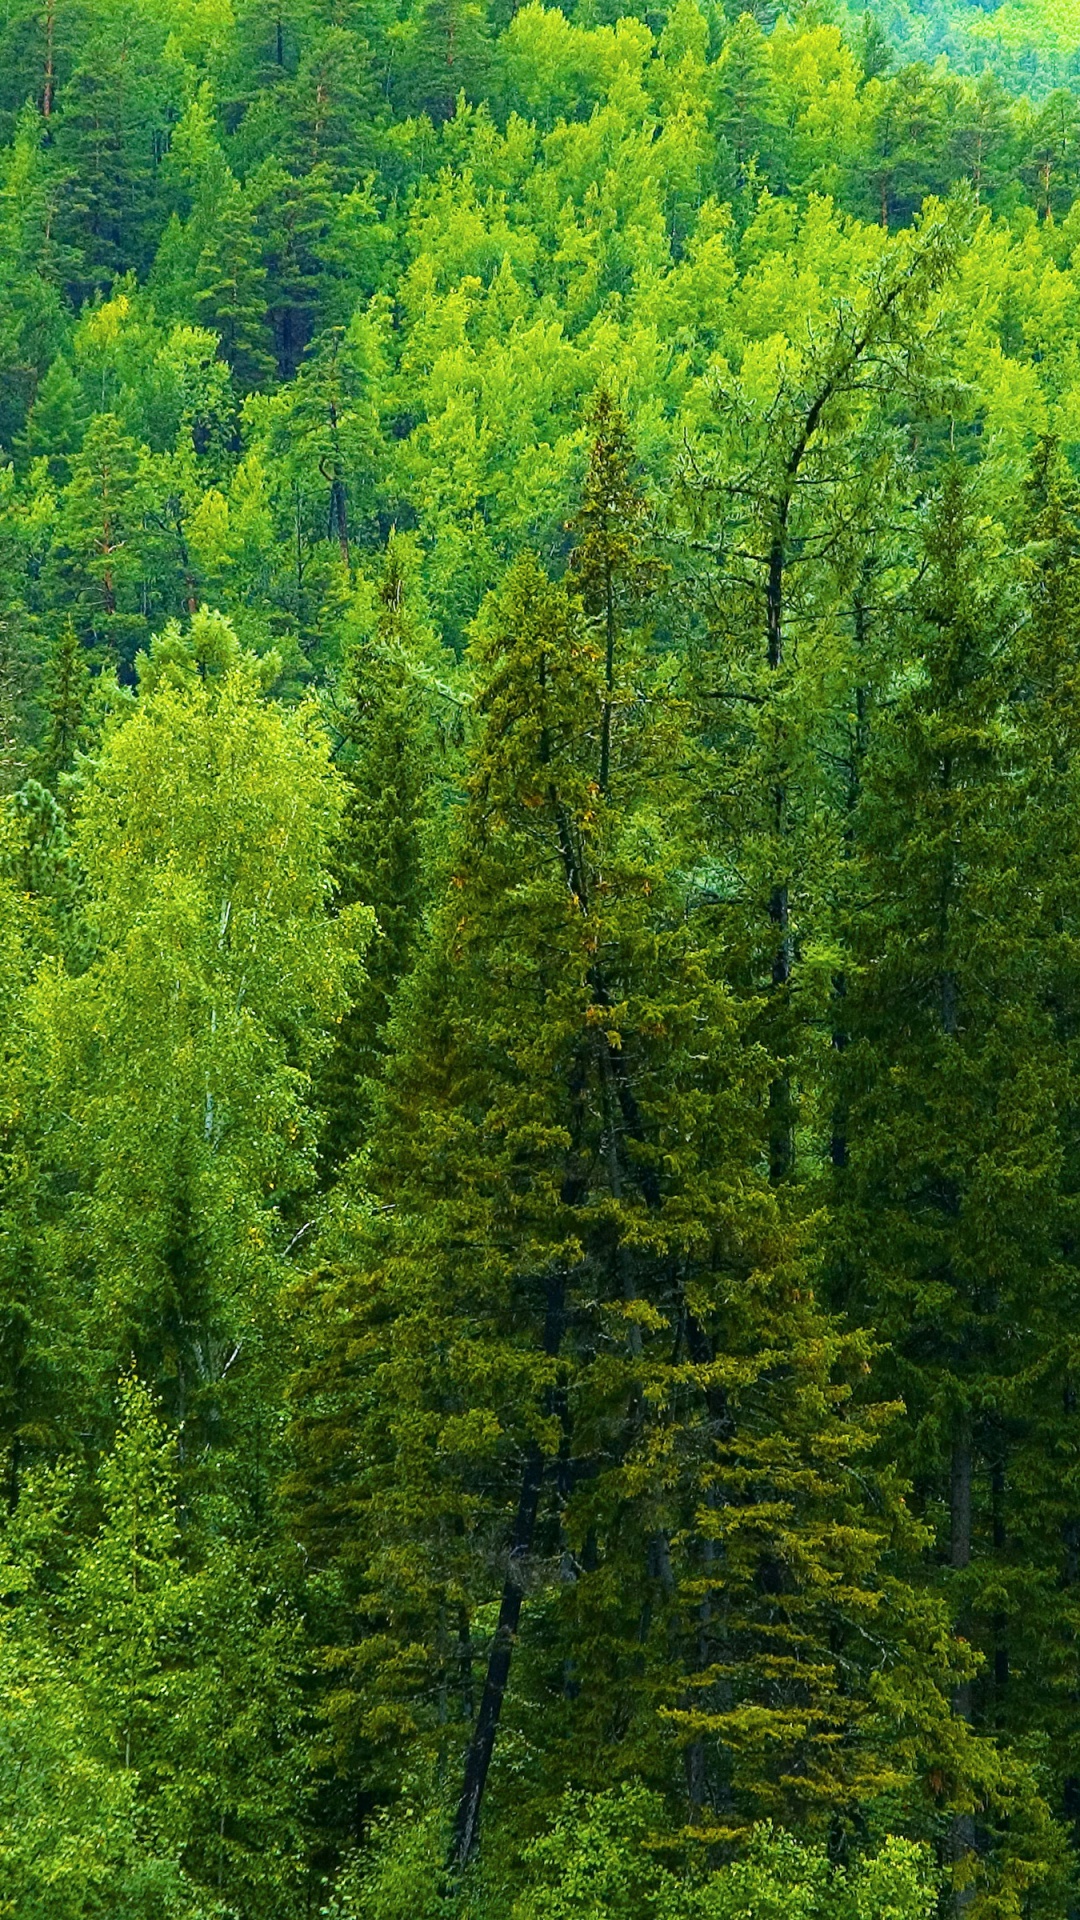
(1050, 169)
(909, 145)
(295, 216)
(450, 54)
(109, 121)
(748, 113)
(324, 118)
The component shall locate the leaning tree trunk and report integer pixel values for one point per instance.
(482, 1744)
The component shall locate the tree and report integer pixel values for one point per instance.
(109, 117)
(570, 1409)
(189, 1673)
(747, 109)
(32, 325)
(909, 142)
(788, 516)
(56, 420)
(319, 118)
(214, 980)
(230, 293)
(380, 715)
(448, 54)
(295, 216)
(130, 1691)
(1050, 168)
(96, 557)
(948, 1215)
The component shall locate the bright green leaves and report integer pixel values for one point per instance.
(151, 1715)
(214, 980)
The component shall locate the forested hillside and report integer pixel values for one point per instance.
(540, 958)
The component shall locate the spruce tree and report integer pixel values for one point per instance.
(1029, 1627)
(577, 1448)
(66, 693)
(385, 742)
(948, 1217)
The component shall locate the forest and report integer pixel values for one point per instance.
(539, 960)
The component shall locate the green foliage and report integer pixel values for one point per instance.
(141, 1684)
(538, 959)
(597, 1860)
(600, 1861)
(214, 977)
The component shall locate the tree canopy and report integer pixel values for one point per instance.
(539, 960)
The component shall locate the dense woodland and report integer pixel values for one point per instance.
(540, 952)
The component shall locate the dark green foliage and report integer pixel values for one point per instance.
(380, 714)
(228, 291)
(539, 1141)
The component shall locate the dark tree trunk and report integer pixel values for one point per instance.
(482, 1744)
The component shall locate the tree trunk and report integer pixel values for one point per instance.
(50, 71)
(482, 1744)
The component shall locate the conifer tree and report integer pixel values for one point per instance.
(748, 113)
(66, 692)
(324, 118)
(450, 54)
(229, 292)
(1015, 1150)
(32, 262)
(385, 744)
(56, 420)
(108, 121)
(97, 558)
(949, 1218)
(790, 513)
(295, 216)
(574, 1438)
(31, 1356)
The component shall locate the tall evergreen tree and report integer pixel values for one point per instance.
(229, 291)
(574, 1438)
(790, 513)
(66, 694)
(385, 739)
(948, 1219)
(56, 421)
